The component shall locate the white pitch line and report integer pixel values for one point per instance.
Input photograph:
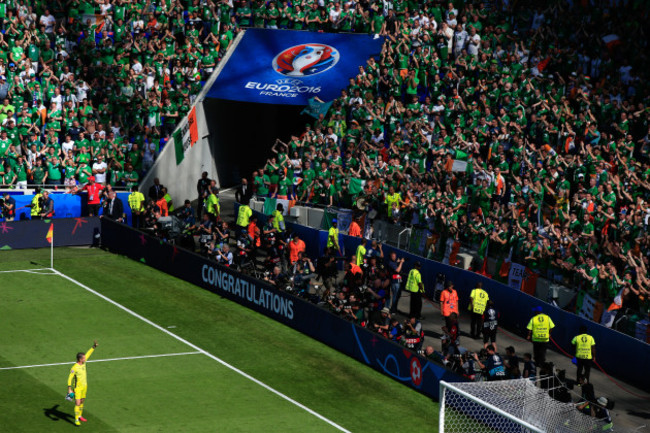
(161, 355)
(208, 354)
(28, 270)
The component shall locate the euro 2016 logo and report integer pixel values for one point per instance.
(305, 60)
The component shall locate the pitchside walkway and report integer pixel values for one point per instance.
(630, 412)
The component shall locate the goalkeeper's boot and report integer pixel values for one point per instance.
(76, 422)
(82, 419)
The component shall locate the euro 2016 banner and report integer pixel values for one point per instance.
(290, 67)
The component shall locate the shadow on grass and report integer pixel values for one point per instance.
(56, 415)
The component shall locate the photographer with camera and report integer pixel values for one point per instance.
(186, 213)
(223, 255)
(381, 322)
(244, 256)
(375, 295)
(276, 278)
(413, 334)
(8, 207)
(221, 233)
(493, 366)
(337, 302)
(204, 232)
(353, 309)
(303, 270)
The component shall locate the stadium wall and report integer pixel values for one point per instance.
(180, 179)
(383, 355)
(32, 234)
(619, 355)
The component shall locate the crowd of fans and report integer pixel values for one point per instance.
(527, 127)
(95, 88)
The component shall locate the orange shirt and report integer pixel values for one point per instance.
(254, 233)
(294, 249)
(355, 269)
(162, 204)
(355, 230)
(449, 302)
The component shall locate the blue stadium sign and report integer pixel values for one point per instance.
(290, 67)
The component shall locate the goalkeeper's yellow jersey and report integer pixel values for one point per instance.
(78, 378)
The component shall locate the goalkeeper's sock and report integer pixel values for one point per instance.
(77, 412)
(81, 409)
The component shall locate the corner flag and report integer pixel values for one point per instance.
(50, 233)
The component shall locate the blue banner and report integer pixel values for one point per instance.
(360, 343)
(32, 234)
(65, 205)
(290, 67)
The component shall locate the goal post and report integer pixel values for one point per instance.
(463, 411)
(507, 406)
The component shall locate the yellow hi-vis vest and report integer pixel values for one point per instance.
(540, 326)
(36, 205)
(333, 237)
(413, 281)
(136, 200)
(583, 343)
(361, 252)
(278, 221)
(244, 215)
(479, 300)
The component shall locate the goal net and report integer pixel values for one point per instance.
(508, 406)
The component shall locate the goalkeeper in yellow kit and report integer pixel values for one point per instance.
(78, 383)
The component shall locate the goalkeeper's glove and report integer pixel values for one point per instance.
(70, 397)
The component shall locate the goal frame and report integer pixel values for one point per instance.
(444, 386)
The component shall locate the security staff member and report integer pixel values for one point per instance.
(449, 302)
(333, 236)
(136, 203)
(539, 332)
(212, 206)
(478, 299)
(585, 352)
(278, 219)
(361, 252)
(35, 205)
(416, 288)
(243, 216)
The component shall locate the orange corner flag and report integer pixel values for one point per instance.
(50, 233)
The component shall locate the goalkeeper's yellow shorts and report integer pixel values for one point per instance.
(80, 392)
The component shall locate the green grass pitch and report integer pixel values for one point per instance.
(46, 319)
